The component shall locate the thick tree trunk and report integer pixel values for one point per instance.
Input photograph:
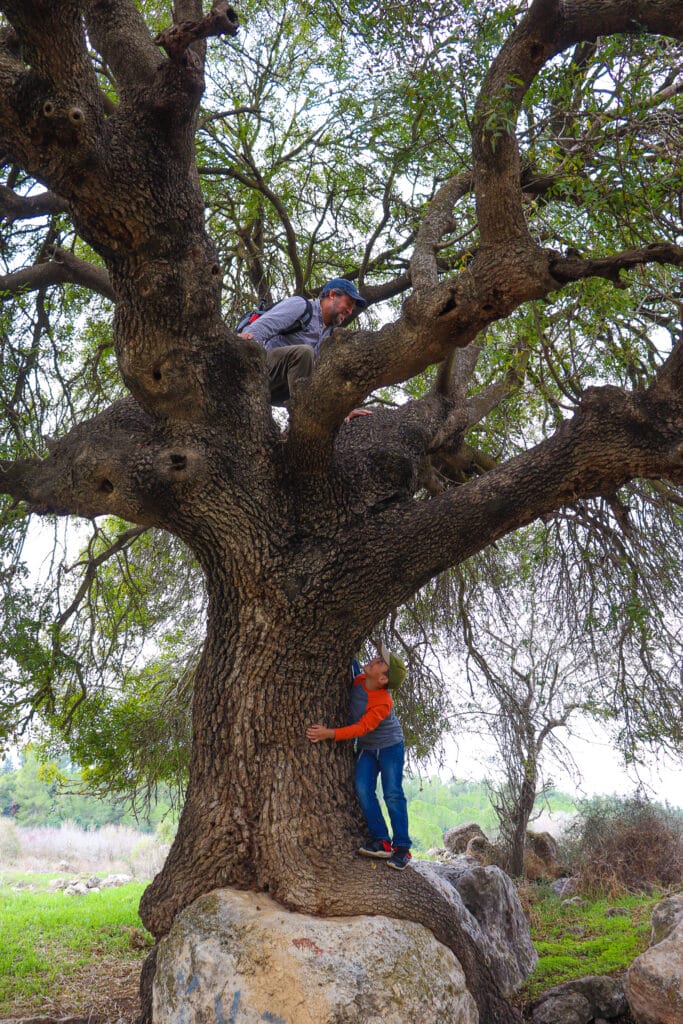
(262, 800)
(268, 810)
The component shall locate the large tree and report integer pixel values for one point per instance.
(308, 539)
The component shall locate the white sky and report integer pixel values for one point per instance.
(601, 771)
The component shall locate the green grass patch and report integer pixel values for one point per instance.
(577, 939)
(46, 935)
(40, 881)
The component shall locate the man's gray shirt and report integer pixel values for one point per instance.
(267, 328)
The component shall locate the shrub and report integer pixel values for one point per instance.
(626, 846)
(10, 847)
(147, 857)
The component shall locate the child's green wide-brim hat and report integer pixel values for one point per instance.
(397, 668)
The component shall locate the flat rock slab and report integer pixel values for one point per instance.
(241, 958)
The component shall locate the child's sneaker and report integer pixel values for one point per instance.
(376, 848)
(399, 859)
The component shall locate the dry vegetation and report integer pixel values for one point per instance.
(105, 991)
(627, 846)
(112, 848)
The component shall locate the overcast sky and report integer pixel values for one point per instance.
(602, 773)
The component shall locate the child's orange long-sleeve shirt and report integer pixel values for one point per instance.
(368, 708)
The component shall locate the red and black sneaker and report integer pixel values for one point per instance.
(400, 858)
(376, 848)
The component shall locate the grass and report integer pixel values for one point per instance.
(47, 936)
(71, 954)
(577, 939)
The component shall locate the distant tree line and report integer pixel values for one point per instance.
(38, 793)
(49, 793)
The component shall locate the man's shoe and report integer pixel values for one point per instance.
(399, 859)
(376, 848)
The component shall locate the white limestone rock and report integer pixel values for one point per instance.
(456, 839)
(113, 881)
(240, 957)
(666, 917)
(654, 981)
(489, 909)
(76, 889)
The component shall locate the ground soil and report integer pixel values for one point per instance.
(104, 992)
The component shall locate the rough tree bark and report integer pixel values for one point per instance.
(306, 541)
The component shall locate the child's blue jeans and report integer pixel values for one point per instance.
(386, 762)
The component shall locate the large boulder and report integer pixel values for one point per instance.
(654, 981)
(482, 849)
(456, 839)
(489, 909)
(666, 917)
(239, 956)
(578, 1002)
(565, 886)
(541, 856)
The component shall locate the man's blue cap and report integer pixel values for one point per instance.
(340, 284)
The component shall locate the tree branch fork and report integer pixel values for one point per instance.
(221, 20)
(126, 463)
(436, 319)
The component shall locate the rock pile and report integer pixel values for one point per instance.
(78, 887)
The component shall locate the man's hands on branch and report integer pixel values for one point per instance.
(316, 733)
(355, 413)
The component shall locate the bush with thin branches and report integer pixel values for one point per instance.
(629, 845)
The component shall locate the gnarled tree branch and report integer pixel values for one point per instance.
(62, 268)
(549, 28)
(614, 437)
(573, 267)
(119, 34)
(51, 37)
(109, 465)
(15, 207)
(437, 222)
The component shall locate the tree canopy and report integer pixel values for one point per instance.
(305, 177)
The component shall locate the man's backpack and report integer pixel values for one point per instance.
(299, 324)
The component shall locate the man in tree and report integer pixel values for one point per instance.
(379, 752)
(307, 543)
(292, 330)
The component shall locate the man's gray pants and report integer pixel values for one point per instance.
(287, 365)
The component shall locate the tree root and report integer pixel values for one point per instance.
(349, 886)
(357, 886)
